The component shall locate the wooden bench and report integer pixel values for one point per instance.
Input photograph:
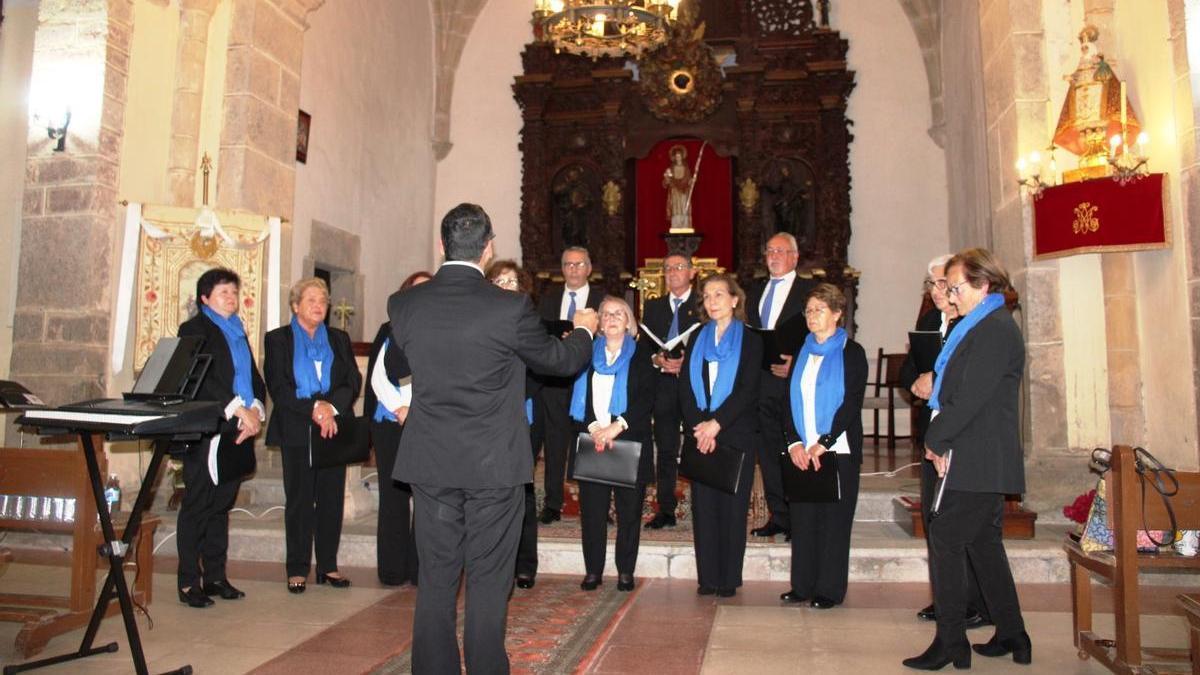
(63, 473)
(1123, 653)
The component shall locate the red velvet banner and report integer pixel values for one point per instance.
(712, 202)
(1099, 216)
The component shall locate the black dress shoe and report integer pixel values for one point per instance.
(194, 597)
(336, 582)
(792, 598)
(591, 582)
(706, 590)
(524, 581)
(625, 582)
(224, 589)
(822, 602)
(770, 530)
(939, 655)
(726, 592)
(661, 520)
(296, 586)
(549, 515)
(1020, 647)
(927, 614)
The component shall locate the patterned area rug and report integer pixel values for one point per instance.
(551, 628)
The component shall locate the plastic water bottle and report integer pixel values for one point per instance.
(112, 493)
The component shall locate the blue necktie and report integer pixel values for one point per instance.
(674, 330)
(571, 307)
(766, 308)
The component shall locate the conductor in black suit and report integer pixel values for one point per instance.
(232, 379)
(780, 299)
(559, 303)
(465, 449)
(974, 442)
(667, 317)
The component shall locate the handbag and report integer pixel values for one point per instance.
(720, 469)
(1097, 535)
(811, 486)
(616, 466)
(350, 445)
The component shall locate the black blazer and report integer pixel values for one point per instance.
(291, 416)
(792, 305)
(929, 321)
(218, 381)
(639, 392)
(548, 308)
(979, 416)
(848, 418)
(468, 343)
(657, 315)
(738, 415)
(394, 364)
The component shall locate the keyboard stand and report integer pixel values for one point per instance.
(115, 551)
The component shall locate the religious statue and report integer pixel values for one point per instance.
(788, 205)
(573, 206)
(679, 180)
(1095, 109)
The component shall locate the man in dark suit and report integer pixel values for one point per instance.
(779, 301)
(668, 317)
(465, 449)
(559, 303)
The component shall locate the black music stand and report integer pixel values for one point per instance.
(114, 550)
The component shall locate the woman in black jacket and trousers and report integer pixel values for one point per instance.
(721, 411)
(974, 442)
(615, 349)
(824, 424)
(310, 387)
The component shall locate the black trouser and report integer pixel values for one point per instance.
(593, 519)
(202, 527)
(975, 603)
(527, 555)
(773, 396)
(313, 510)
(667, 421)
(970, 524)
(395, 542)
(821, 539)
(560, 432)
(719, 530)
(476, 530)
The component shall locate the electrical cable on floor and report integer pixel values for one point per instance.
(893, 473)
(251, 514)
(165, 540)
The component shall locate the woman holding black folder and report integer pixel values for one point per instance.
(824, 435)
(719, 403)
(312, 378)
(612, 399)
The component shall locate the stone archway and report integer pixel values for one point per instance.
(925, 16)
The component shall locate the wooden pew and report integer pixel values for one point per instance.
(63, 473)
(1123, 653)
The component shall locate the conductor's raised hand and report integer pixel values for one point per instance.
(587, 318)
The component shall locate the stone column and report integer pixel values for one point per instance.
(194, 19)
(452, 24)
(71, 218)
(256, 168)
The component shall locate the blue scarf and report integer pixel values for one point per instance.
(529, 411)
(620, 368)
(831, 382)
(727, 353)
(306, 351)
(239, 349)
(381, 411)
(989, 304)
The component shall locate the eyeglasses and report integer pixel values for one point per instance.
(678, 267)
(575, 265)
(939, 284)
(613, 315)
(780, 251)
(505, 283)
(815, 312)
(956, 289)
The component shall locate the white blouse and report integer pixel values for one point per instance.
(602, 391)
(808, 390)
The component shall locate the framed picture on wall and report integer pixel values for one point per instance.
(302, 127)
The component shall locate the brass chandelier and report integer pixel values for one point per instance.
(595, 29)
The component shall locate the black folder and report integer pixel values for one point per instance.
(720, 469)
(786, 338)
(234, 461)
(811, 486)
(924, 347)
(349, 446)
(556, 328)
(616, 466)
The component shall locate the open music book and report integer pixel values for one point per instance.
(673, 346)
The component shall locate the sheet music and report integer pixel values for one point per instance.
(670, 344)
(940, 488)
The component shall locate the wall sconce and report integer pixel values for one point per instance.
(1031, 169)
(59, 132)
(1128, 162)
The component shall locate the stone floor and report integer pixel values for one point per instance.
(666, 628)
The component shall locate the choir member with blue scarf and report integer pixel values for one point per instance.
(386, 402)
(214, 468)
(719, 403)
(826, 387)
(974, 442)
(614, 398)
(312, 377)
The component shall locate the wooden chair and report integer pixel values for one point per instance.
(1124, 653)
(63, 473)
(888, 393)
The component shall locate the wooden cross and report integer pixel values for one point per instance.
(343, 311)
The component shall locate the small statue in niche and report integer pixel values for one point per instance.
(573, 206)
(788, 205)
(679, 180)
